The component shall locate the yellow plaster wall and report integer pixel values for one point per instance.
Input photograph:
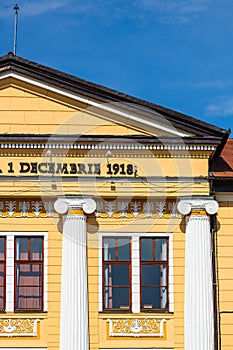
(148, 165)
(101, 189)
(224, 252)
(32, 110)
(48, 335)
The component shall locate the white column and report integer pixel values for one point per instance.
(74, 332)
(198, 310)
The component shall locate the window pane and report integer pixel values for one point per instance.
(2, 302)
(116, 275)
(2, 274)
(153, 275)
(109, 249)
(146, 249)
(21, 248)
(124, 249)
(36, 248)
(29, 274)
(2, 248)
(154, 298)
(116, 298)
(29, 286)
(161, 249)
(28, 297)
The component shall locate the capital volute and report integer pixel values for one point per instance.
(80, 203)
(185, 206)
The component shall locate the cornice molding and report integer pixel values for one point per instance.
(106, 146)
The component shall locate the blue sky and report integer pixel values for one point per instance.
(176, 53)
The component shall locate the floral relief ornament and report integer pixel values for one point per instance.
(18, 327)
(136, 327)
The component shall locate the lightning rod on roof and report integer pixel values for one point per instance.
(16, 9)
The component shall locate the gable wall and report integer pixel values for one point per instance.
(22, 111)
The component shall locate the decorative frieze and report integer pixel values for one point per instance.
(27, 209)
(146, 327)
(117, 209)
(137, 209)
(18, 327)
(107, 146)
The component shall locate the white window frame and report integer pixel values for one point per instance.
(10, 238)
(30, 349)
(137, 349)
(135, 264)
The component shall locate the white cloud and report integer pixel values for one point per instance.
(218, 84)
(222, 106)
(201, 85)
(174, 10)
(165, 10)
(178, 6)
(31, 7)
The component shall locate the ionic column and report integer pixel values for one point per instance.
(74, 332)
(198, 308)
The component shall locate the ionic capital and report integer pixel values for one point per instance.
(71, 203)
(185, 206)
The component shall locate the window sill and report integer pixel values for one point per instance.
(123, 311)
(106, 315)
(40, 315)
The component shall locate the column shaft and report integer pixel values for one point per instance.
(74, 296)
(199, 315)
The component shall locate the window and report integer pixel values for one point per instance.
(29, 264)
(154, 273)
(116, 273)
(2, 273)
(136, 272)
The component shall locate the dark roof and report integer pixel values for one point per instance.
(222, 166)
(109, 138)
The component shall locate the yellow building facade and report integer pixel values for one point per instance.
(115, 224)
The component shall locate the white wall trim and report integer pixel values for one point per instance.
(102, 106)
(26, 348)
(110, 146)
(10, 265)
(135, 261)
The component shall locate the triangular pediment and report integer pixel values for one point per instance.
(29, 108)
(40, 99)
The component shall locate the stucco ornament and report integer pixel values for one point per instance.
(62, 205)
(18, 327)
(208, 204)
(131, 327)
